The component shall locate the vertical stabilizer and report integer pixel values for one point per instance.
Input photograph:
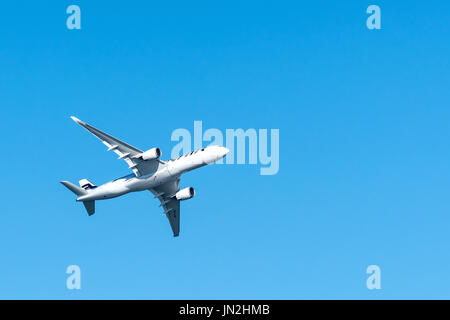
(86, 184)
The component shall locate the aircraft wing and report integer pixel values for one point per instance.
(123, 150)
(171, 206)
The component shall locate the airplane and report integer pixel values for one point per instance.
(161, 178)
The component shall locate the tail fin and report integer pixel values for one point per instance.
(86, 184)
(89, 205)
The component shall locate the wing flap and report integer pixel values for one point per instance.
(173, 214)
(170, 205)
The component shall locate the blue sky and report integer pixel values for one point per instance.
(364, 148)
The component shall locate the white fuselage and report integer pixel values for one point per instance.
(167, 171)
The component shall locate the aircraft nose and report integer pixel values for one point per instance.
(224, 151)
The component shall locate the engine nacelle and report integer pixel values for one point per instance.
(151, 154)
(185, 194)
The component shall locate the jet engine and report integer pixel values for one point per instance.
(151, 154)
(185, 194)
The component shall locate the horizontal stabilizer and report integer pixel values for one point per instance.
(75, 189)
(90, 207)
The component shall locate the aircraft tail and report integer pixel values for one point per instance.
(75, 189)
(89, 205)
(86, 184)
